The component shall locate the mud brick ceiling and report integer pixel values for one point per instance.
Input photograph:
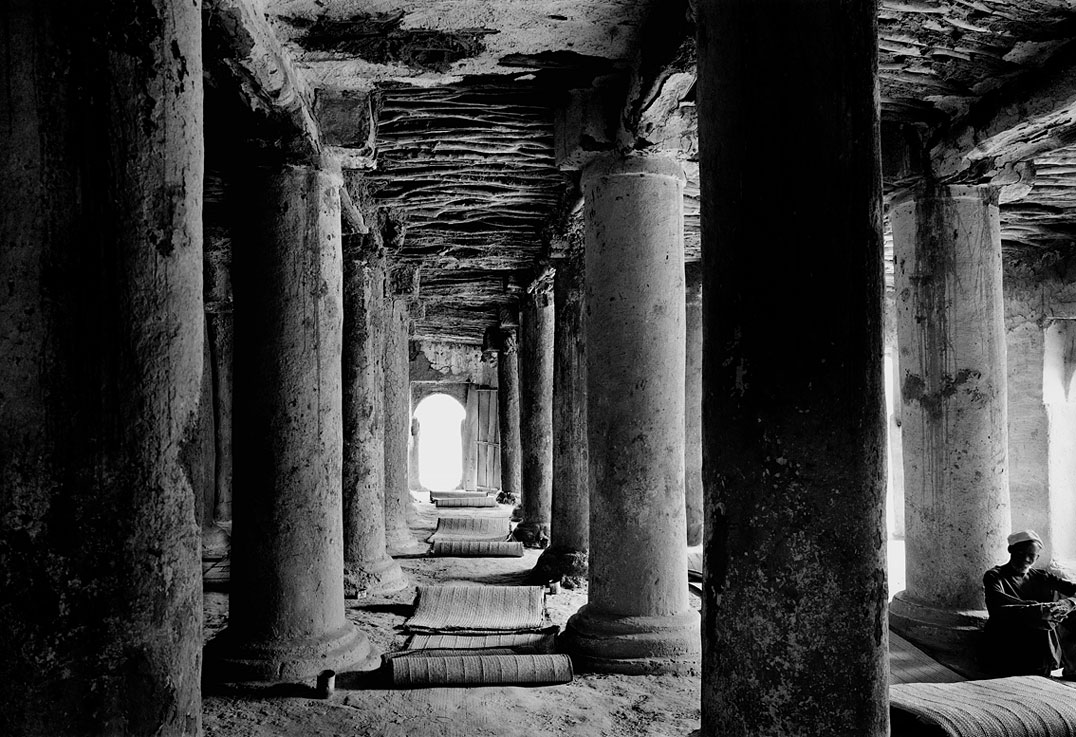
(445, 112)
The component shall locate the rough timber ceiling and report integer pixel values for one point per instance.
(467, 91)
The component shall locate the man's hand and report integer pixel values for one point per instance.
(1056, 611)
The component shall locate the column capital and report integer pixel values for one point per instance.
(615, 164)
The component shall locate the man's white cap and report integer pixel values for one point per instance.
(1024, 536)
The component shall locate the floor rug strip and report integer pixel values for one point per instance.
(1021, 706)
(435, 495)
(536, 642)
(479, 609)
(481, 670)
(485, 501)
(471, 528)
(478, 549)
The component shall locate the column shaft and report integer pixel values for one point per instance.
(794, 631)
(569, 537)
(286, 621)
(536, 416)
(508, 408)
(951, 337)
(101, 341)
(693, 403)
(637, 619)
(397, 430)
(218, 291)
(367, 565)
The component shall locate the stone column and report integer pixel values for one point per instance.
(794, 631)
(508, 416)
(218, 306)
(367, 566)
(693, 403)
(569, 537)
(286, 621)
(218, 295)
(536, 415)
(637, 619)
(101, 340)
(951, 338)
(413, 482)
(397, 430)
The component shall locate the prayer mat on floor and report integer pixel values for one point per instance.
(481, 670)
(479, 609)
(495, 529)
(519, 642)
(478, 549)
(1021, 706)
(694, 566)
(435, 495)
(483, 501)
(909, 664)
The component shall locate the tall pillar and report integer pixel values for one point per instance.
(508, 415)
(569, 537)
(637, 619)
(951, 338)
(218, 295)
(101, 340)
(398, 502)
(536, 414)
(693, 402)
(413, 482)
(218, 308)
(286, 621)
(367, 566)
(794, 630)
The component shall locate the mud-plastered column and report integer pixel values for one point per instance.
(217, 267)
(508, 414)
(951, 343)
(569, 534)
(794, 602)
(101, 360)
(398, 501)
(637, 619)
(536, 413)
(693, 402)
(286, 621)
(368, 568)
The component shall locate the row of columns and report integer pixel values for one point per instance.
(102, 334)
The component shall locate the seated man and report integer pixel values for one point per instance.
(1032, 627)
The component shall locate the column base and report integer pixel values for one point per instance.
(382, 576)
(399, 542)
(229, 660)
(532, 534)
(946, 631)
(216, 543)
(561, 564)
(604, 643)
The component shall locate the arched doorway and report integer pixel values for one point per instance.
(440, 442)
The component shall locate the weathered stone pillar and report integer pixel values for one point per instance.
(397, 429)
(951, 338)
(569, 537)
(794, 630)
(218, 307)
(637, 619)
(508, 414)
(693, 402)
(101, 340)
(536, 414)
(367, 565)
(287, 608)
(218, 296)
(413, 482)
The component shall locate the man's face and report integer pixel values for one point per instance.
(1023, 555)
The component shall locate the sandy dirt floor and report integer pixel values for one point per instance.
(590, 706)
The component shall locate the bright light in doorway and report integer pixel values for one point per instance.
(440, 443)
